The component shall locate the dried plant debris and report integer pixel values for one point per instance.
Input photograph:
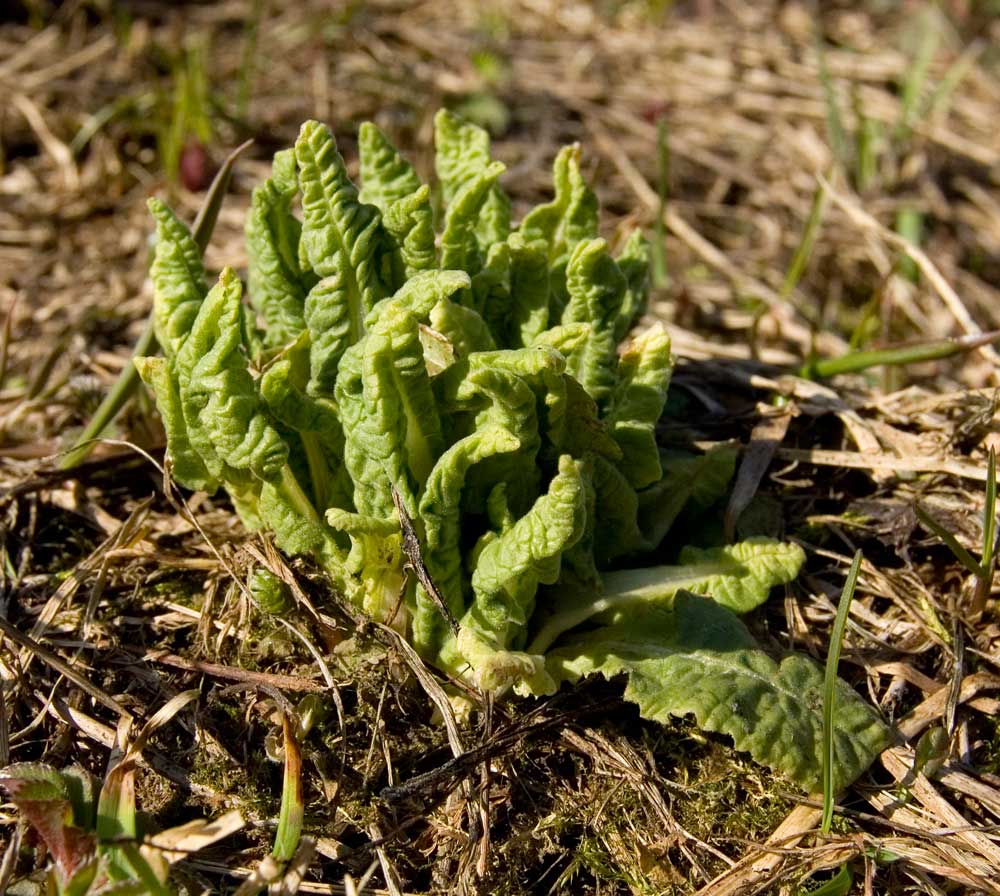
(820, 196)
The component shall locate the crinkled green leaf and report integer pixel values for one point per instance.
(277, 284)
(737, 576)
(529, 291)
(297, 527)
(509, 384)
(409, 228)
(341, 242)
(271, 594)
(463, 328)
(218, 395)
(312, 421)
(282, 386)
(419, 296)
(695, 657)
(596, 287)
(644, 370)
(462, 152)
(386, 176)
(579, 564)
(574, 427)
(490, 293)
(634, 264)
(571, 216)
(440, 511)
(564, 338)
(376, 559)
(375, 420)
(617, 508)
(407, 385)
(189, 469)
(510, 568)
(693, 481)
(460, 247)
(178, 279)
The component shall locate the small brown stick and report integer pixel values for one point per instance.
(234, 673)
(415, 562)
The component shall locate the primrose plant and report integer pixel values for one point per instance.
(447, 420)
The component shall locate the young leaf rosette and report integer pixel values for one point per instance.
(411, 363)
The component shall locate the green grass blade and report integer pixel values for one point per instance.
(895, 356)
(290, 819)
(838, 885)
(829, 689)
(143, 873)
(128, 379)
(987, 566)
(961, 554)
(834, 120)
(868, 140)
(208, 214)
(659, 253)
(990, 514)
(910, 226)
(808, 239)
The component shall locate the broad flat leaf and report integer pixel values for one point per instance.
(695, 657)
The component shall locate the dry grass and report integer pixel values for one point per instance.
(130, 597)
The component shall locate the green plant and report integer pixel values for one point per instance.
(93, 837)
(448, 428)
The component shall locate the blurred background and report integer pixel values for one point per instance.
(772, 151)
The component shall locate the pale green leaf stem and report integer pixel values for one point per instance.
(738, 577)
